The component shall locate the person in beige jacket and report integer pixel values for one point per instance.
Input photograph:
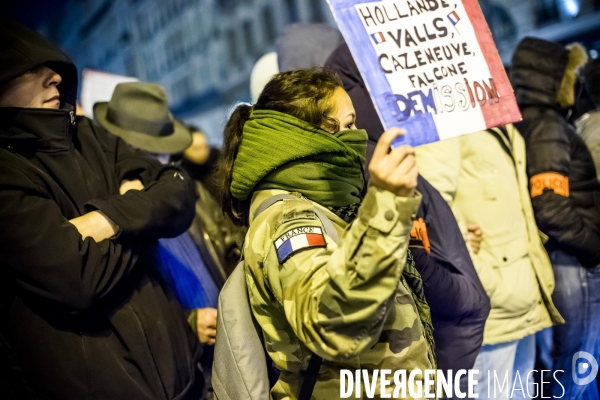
(483, 178)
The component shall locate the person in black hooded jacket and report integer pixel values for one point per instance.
(565, 197)
(458, 302)
(83, 314)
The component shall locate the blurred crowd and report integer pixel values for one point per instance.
(119, 234)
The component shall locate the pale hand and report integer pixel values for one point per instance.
(126, 185)
(206, 325)
(395, 170)
(474, 237)
(95, 225)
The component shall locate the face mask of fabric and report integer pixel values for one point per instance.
(279, 151)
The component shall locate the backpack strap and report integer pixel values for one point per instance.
(314, 365)
(310, 378)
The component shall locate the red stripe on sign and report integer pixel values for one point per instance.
(506, 111)
(314, 239)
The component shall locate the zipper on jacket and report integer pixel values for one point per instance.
(72, 117)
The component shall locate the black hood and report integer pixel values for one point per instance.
(22, 49)
(537, 70)
(341, 61)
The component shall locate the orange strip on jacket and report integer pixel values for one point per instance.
(554, 181)
(419, 233)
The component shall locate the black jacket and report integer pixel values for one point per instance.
(571, 221)
(221, 246)
(458, 302)
(80, 319)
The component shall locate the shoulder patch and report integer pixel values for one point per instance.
(298, 239)
(418, 235)
(554, 181)
(298, 209)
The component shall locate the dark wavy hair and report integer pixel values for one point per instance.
(304, 94)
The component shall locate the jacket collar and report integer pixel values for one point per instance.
(47, 130)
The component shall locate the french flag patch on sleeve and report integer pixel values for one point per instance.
(298, 239)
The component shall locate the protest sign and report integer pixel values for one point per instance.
(431, 66)
(98, 86)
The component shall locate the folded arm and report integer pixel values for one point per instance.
(165, 206)
(48, 257)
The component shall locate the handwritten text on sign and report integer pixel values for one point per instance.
(429, 57)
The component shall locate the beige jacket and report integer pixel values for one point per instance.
(483, 178)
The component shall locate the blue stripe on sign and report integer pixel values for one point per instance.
(424, 127)
(419, 129)
(284, 251)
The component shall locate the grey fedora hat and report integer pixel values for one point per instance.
(139, 114)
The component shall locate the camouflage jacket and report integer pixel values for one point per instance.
(346, 302)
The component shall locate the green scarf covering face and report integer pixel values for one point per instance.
(279, 151)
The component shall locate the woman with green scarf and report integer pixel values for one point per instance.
(357, 303)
